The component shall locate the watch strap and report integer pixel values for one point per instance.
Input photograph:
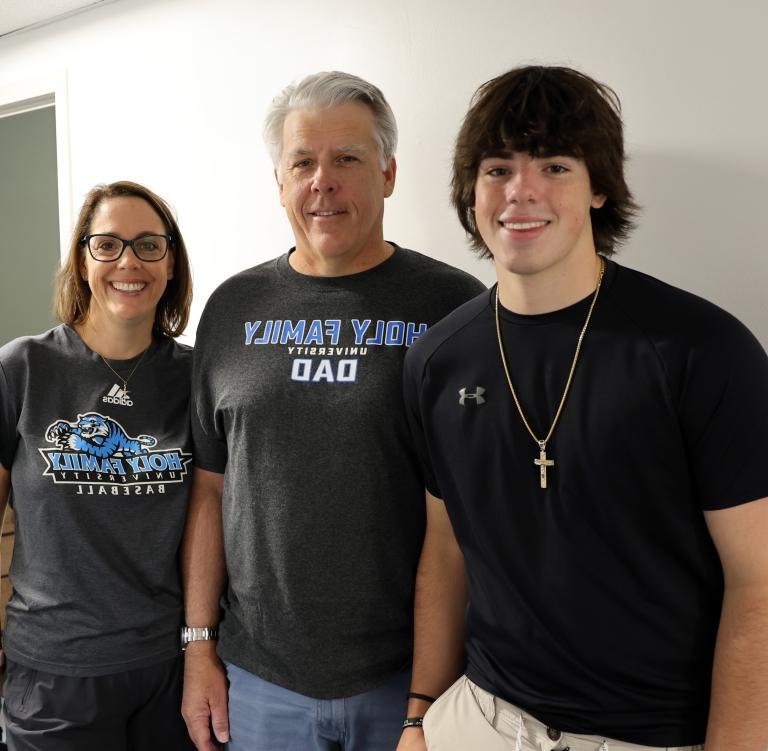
(198, 633)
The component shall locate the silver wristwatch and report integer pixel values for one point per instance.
(194, 633)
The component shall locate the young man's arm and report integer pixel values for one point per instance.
(439, 618)
(738, 718)
(204, 705)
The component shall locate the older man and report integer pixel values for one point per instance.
(307, 484)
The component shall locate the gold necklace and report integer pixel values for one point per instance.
(130, 375)
(543, 462)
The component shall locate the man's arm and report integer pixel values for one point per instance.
(204, 705)
(439, 617)
(738, 717)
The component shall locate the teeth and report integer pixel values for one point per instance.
(129, 286)
(327, 213)
(523, 225)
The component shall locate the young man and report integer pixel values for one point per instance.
(306, 478)
(594, 445)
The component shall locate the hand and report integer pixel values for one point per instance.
(412, 739)
(204, 704)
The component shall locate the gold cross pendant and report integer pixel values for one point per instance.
(542, 463)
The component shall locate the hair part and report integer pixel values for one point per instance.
(329, 89)
(72, 296)
(547, 111)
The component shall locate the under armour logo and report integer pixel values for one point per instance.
(476, 395)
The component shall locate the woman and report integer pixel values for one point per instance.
(94, 447)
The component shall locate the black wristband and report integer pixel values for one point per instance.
(413, 722)
(423, 697)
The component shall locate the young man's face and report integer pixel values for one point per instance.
(333, 187)
(533, 212)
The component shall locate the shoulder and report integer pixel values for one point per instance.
(423, 267)
(238, 290)
(176, 352)
(448, 332)
(706, 354)
(244, 280)
(20, 349)
(668, 314)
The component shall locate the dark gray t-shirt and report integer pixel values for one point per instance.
(99, 482)
(297, 399)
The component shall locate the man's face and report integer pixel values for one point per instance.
(333, 187)
(533, 212)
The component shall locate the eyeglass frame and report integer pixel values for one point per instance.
(86, 240)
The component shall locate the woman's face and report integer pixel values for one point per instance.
(125, 291)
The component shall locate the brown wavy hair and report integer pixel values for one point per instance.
(547, 111)
(72, 296)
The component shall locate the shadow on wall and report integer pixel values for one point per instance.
(704, 227)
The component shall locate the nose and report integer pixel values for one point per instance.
(521, 187)
(129, 259)
(323, 180)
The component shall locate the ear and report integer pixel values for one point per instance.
(279, 186)
(598, 199)
(171, 264)
(389, 177)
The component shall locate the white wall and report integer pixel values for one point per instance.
(172, 93)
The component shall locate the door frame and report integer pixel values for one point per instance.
(47, 90)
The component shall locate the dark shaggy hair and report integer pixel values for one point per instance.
(547, 111)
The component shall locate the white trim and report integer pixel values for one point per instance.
(36, 93)
(28, 105)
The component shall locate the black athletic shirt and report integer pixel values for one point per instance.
(594, 603)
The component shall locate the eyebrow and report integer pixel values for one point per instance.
(349, 148)
(135, 237)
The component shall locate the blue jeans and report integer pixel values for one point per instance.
(266, 717)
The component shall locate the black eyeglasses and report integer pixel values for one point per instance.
(106, 248)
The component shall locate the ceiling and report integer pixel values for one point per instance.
(20, 15)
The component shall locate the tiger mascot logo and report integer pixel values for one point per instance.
(97, 435)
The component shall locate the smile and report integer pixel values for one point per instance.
(129, 286)
(523, 225)
(326, 213)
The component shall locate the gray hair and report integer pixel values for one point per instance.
(329, 89)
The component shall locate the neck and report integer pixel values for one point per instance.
(549, 290)
(120, 343)
(307, 263)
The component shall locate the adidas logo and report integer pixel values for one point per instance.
(117, 395)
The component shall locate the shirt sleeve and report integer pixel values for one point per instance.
(209, 439)
(724, 413)
(9, 436)
(412, 386)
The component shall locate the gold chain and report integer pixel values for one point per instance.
(543, 462)
(130, 375)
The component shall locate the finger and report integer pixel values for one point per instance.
(200, 733)
(220, 723)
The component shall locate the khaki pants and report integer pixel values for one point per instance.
(467, 718)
